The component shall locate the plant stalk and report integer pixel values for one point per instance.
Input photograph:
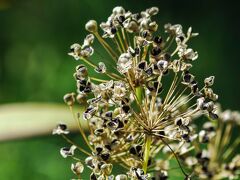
(147, 148)
(139, 94)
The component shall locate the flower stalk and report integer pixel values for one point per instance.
(148, 142)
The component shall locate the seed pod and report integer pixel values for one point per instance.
(91, 26)
(142, 65)
(81, 71)
(121, 177)
(77, 168)
(106, 169)
(209, 81)
(69, 99)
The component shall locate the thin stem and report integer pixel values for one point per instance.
(233, 147)
(81, 129)
(107, 47)
(116, 42)
(124, 38)
(186, 175)
(120, 40)
(98, 80)
(79, 148)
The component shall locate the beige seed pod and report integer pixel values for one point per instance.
(69, 98)
(91, 26)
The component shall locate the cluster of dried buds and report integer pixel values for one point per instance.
(215, 155)
(142, 104)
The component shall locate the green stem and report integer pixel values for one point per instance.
(139, 93)
(147, 152)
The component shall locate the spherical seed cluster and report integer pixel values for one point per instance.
(143, 103)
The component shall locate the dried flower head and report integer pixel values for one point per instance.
(144, 101)
(216, 148)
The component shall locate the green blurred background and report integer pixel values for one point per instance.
(35, 36)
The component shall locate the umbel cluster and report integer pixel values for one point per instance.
(142, 104)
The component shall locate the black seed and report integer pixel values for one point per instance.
(137, 16)
(194, 88)
(120, 124)
(149, 161)
(138, 149)
(133, 151)
(98, 131)
(137, 50)
(187, 78)
(235, 168)
(82, 82)
(113, 30)
(105, 156)
(161, 133)
(66, 149)
(205, 139)
(99, 150)
(155, 51)
(213, 115)
(108, 147)
(149, 71)
(179, 122)
(142, 65)
(114, 141)
(158, 40)
(227, 167)
(210, 129)
(126, 108)
(167, 56)
(126, 100)
(112, 124)
(144, 34)
(63, 126)
(186, 72)
(71, 50)
(199, 155)
(116, 120)
(150, 88)
(93, 177)
(155, 66)
(186, 128)
(108, 114)
(100, 164)
(186, 137)
(205, 168)
(88, 110)
(194, 82)
(121, 19)
(129, 138)
(81, 88)
(87, 89)
(181, 38)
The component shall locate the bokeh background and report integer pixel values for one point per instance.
(35, 36)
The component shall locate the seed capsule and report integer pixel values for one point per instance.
(91, 26)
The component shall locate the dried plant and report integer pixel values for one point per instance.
(142, 104)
